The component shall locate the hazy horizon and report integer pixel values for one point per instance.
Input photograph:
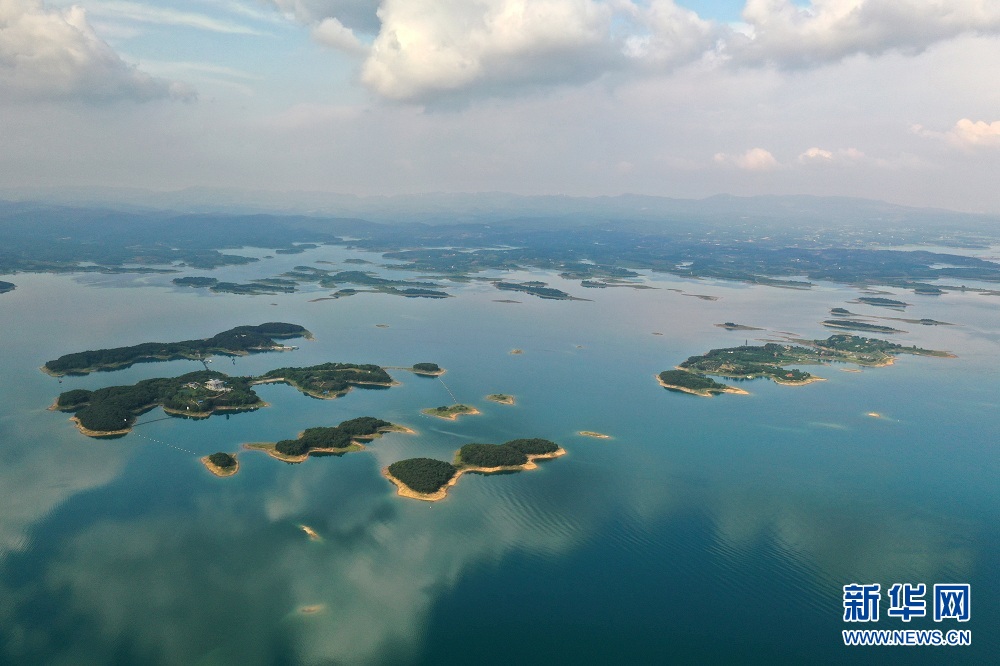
(875, 99)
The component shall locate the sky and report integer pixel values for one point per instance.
(886, 99)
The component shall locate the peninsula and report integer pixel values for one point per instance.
(695, 384)
(771, 360)
(221, 464)
(7, 286)
(238, 341)
(335, 441)
(450, 412)
(428, 479)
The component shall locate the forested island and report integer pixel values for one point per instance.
(7, 286)
(881, 302)
(112, 411)
(538, 289)
(771, 359)
(336, 440)
(221, 464)
(238, 341)
(501, 398)
(730, 326)
(427, 369)
(450, 412)
(328, 380)
(429, 479)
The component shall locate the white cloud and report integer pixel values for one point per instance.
(789, 35)
(965, 134)
(755, 159)
(55, 54)
(434, 46)
(979, 133)
(331, 32)
(843, 157)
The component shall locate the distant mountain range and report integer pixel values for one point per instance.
(488, 207)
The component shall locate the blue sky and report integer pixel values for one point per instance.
(889, 99)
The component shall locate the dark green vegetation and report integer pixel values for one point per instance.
(336, 438)
(234, 342)
(535, 289)
(884, 302)
(450, 411)
(115, 407)
(415, 292)
(7, 286)
(855, 325)
(730, 326)
(770, 360)
(509, 454)
(534, 446)
(690, 381)
(490, 455)
(840, 312)
(427, 368)
(423, 475)
(328, 380)
(222, 460)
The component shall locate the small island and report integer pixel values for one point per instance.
(238, 341)
(329, 380)
(427, 369)
(595, 435)
(221, 464)
(501, 398)
(695, 384)
(535, 288)
(7, 286)
(332, 441)
(428, 479)
(881, 302)
(450, 412)
(730, 326)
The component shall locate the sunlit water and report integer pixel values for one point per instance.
(705, 531)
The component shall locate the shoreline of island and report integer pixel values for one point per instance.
(403, 490)
(221, 472)
(356, 444)
(704, 393)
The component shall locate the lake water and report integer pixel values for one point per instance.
(705, 531)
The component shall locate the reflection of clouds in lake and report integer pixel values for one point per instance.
(846, 542)
(37, 478)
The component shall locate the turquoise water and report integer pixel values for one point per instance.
(706, 531)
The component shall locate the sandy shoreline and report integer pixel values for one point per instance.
(219, 471)
(703, 394)
(355, 445)
(450, 417)
(98, 433)
(404, 490)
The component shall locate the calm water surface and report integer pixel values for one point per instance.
(706, 531)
